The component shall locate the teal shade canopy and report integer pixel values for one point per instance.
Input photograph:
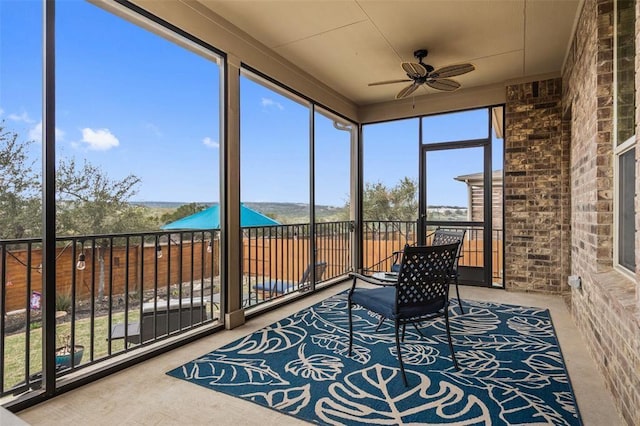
(210, 219)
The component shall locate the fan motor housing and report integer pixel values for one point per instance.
(420, 54)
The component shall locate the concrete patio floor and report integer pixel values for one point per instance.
(145, 395)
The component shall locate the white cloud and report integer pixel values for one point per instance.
(210, 142)
(35, 133)
(100, 139)
(24, 117)
(1, 111)
(270, 103)
(153, 129)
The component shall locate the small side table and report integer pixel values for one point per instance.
(386, 276)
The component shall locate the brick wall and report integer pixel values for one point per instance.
(605, 308)
(536, 198)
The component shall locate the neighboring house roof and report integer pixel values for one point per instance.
(210, 219)
(478, 178)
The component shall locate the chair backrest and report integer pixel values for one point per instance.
(320, 268)
(424, 277)
(442, 237)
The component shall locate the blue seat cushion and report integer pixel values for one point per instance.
(395, 267)
(275, 286)
(382, 301)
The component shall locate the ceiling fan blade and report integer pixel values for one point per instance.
(452, 71)
(443, 84)
(378, 83)
(407, 90)
(414, 70)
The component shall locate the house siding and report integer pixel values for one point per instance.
(606, 307)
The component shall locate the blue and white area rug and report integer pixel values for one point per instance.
(511, 369)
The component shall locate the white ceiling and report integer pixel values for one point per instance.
(347, 44)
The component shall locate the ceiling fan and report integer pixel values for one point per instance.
(421, 73)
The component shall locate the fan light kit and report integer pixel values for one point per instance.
(420, 73)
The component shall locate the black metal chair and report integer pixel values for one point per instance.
(420, 293)
(442, 237)
(269, 289)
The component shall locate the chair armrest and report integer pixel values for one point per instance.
(370, 280)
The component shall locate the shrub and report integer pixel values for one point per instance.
(63, 302)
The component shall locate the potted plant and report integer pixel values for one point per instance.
(64, 353)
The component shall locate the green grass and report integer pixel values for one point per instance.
(14, 350)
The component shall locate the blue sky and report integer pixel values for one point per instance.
(130, 101)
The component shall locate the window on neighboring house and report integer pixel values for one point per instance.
(625, 141)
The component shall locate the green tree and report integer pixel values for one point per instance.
(404, 200)
(89, 202)
(20, 205)
(382, 203)
(182, 211)
(397, 203)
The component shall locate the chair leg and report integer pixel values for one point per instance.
(453, 354)
(404, 376)
(458, 294)
(380, 322)
(350, 327)
(415, 325)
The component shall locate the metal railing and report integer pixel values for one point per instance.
(382, 238)
(113, 293)
(277, 261)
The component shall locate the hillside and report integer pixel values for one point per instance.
(290, 213)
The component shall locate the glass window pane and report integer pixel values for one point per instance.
(332, 152)
(626, 215)
(142, 109)
(455, 184)
(456, 126)
(390, 163)
(20, 118)
(274, 132)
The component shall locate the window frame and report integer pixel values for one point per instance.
(619, 149)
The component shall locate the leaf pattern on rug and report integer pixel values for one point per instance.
(521, 408)
(549, 364)
(528, 326)
(416, 354)
(290, 400)
(338, 323)
(317, 367)
(476, 321)
(492, 372)
(220, 370)
(278, 337)
(565, 400)
(501, 343)
(377, 395)
(505, 309)
(339, 345)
